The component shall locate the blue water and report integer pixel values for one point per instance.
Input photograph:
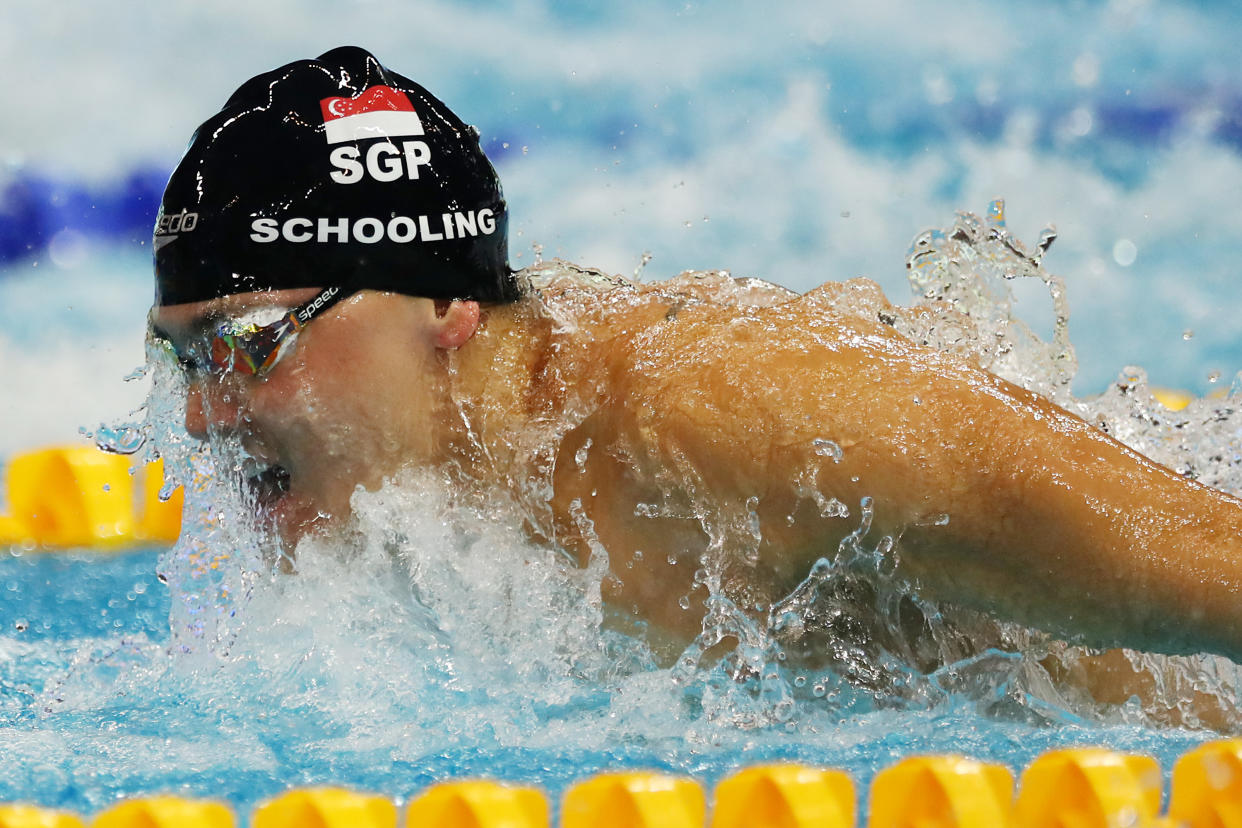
(168, 732)
(56, 597)
(801, 143)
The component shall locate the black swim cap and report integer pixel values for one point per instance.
(333, 172)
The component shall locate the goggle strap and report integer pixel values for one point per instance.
(326, 299)
(238, 352)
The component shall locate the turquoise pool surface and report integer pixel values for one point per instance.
(243, 734)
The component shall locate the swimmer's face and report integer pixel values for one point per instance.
(355, 396)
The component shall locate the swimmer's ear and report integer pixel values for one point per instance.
(456, 322)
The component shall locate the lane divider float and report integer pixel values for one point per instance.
(1069, 788)
(79, 496)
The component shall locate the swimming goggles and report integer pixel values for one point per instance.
(252, 349)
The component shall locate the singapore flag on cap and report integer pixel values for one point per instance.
(379, 112)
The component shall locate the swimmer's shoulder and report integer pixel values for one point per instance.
(858, 300)
(832, 309)
(663, 328)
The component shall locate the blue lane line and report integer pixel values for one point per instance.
(35, 206)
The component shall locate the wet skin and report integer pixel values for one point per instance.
(661, 422)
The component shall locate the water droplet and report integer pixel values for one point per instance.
(68, 249)
(800, 681)
(1188, 334)
(684, 602)
(580, 456)
(1046, 237)
(1079, 123)
(123, 439)
(167, 490)
(21, 625)
(996, 213)
(1124, 252)
(642, 263)
(827, 448)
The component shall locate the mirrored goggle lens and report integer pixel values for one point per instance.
(252, 351)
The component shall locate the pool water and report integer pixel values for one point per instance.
(441, 643)
(97, 706)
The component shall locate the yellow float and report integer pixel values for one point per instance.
(79, 496)
(1069, 788)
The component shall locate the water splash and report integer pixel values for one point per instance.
(968, 269)
(1202, 441)
(852, 637)
(446, 619)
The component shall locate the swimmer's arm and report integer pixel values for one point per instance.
(1057, 525)
(1050, 522)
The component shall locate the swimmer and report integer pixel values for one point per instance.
(331, 269)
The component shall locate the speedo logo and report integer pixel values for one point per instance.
(167, 227)
(400, 229)
(306, 313)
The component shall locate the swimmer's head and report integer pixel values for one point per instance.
(333, 172)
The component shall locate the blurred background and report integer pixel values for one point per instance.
(800, 142)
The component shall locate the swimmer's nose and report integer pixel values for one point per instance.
(211, 403)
